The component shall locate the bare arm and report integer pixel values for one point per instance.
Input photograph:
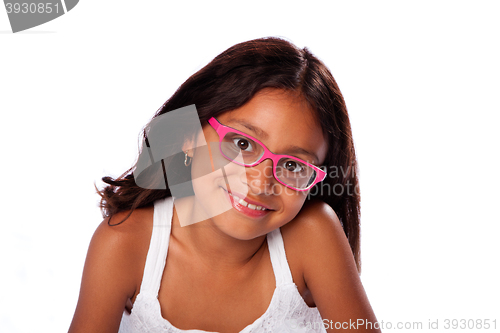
(329, 270)
(109, 279)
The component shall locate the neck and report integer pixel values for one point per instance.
(223, 252)
(217, 250)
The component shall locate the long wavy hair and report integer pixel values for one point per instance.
(230, 80)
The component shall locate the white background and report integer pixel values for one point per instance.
(421, 82)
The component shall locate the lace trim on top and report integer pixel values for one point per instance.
(287, 311)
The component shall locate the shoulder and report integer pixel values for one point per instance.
(122, 247)
(312, 239)
(314, 217)
(122, 244)
(125, 230)
(313, 231)
(315, 237)
(305, 238)
(317, 247)
(113, 270)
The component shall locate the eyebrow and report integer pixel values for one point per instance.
(262, 134)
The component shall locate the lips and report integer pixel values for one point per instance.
(247, 206)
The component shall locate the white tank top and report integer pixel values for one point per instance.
(287, 312)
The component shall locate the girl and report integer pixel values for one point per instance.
(264, 240)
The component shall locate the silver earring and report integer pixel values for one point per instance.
(187, 159)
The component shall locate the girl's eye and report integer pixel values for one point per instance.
(243, 144)
(293, 166)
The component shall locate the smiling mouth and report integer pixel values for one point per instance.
(244, 206)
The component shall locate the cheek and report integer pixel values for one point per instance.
(207, 159)
(203, 160)
(210, 170)
(201, 164)
(293, 201)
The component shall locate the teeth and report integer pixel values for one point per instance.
(246, 204)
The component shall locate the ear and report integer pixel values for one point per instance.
(188, 145)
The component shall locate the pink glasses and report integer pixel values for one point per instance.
(288, 170)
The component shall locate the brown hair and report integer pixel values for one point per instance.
(230, 80)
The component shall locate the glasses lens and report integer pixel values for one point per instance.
(245, 151)
(241, 149)
(295, 173)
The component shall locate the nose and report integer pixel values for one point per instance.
(260, 178)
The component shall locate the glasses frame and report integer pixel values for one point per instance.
(222, 130)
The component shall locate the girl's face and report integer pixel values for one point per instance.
(247, 202)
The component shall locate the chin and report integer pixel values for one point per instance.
(243, 230)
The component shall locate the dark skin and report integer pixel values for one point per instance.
(218, 275)
(223, 298)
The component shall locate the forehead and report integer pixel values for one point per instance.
(280, 119)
